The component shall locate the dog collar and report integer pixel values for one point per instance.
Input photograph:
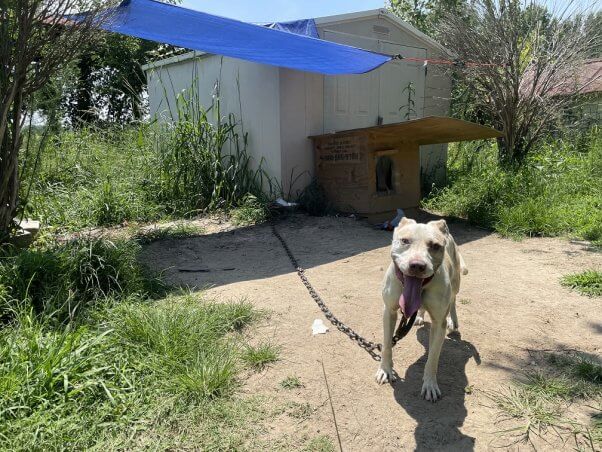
(400, 276)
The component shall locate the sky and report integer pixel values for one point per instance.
(283, 10)
(280, 10)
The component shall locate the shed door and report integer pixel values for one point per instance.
(351, 101)
(354, 101)
(402, 84)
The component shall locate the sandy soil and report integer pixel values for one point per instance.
(511, 304)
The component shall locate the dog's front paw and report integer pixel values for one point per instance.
(430, 390)
(384, 376)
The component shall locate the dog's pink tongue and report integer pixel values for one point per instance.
(411, 298)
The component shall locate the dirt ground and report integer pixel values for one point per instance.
(511, 304)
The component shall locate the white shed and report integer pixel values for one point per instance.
(280, 108)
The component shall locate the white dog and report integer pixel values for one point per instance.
(424, 274)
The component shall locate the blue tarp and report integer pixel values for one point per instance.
(305, 27)
(181, 27)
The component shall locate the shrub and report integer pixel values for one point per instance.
(555, 192)
(314, 201)
(60, 279)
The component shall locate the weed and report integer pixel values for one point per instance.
(291, 382)
(260, 356)
(251, 211)
(314, 201)
(63, 278)
(136, 365)
(579, 366)
(540, 401)
(464, 301)
(201, 160)
(175, 231)
(587, 283)
(556, 191)
(534, 411)
(321, 443)
(301, 411)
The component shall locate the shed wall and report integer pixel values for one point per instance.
(248, 90)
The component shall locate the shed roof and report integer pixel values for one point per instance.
(428, 130)
(384, 14)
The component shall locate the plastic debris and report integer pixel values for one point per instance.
(282, 203)
(318, 327)
(389, 225)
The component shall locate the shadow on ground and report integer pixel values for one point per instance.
(253, 253)
(438, 424)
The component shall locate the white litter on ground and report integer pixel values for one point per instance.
(318, 327)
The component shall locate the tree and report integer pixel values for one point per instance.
(425, 14)
(35, 41)
(527, 65)
(107, 83)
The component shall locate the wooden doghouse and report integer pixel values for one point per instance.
(377, 169)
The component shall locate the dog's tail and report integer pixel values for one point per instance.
(463, 267)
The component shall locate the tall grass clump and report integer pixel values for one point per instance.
(92, 177)
(202, 160)
(60, 279)
(88, 358)
(133, 367)
(557, 190)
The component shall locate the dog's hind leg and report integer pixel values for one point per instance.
(385, 371)
(452, 320)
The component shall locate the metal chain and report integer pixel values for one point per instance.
(370, 347)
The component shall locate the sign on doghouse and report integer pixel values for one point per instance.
(346, 149)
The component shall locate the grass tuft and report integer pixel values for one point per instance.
(251, 211)
(260, 356)
(291, 382)
(587, 283)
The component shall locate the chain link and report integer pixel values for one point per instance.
(402, 330)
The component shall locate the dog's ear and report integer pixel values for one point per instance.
(441, 225)
(405, 221)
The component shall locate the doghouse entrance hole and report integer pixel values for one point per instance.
(384, 175)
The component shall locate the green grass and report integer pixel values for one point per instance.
(588, 282)
(556, 192)
(89, 359)
(104, 177)
(321, 443)
(300, 411)
(291, 382)
(173, 231)
(541, 400)
(258, 357)
(250, 212)
(59, 280)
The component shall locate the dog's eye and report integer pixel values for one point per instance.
(405, 241)
(435, 246)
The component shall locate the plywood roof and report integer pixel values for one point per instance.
(428, 130)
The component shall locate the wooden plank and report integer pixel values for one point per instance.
(429, 130)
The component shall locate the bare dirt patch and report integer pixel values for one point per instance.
(512, 303)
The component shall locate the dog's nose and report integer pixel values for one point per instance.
(417, 266)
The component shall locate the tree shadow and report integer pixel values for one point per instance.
(439, 423)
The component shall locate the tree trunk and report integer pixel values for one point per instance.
(8, 200)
